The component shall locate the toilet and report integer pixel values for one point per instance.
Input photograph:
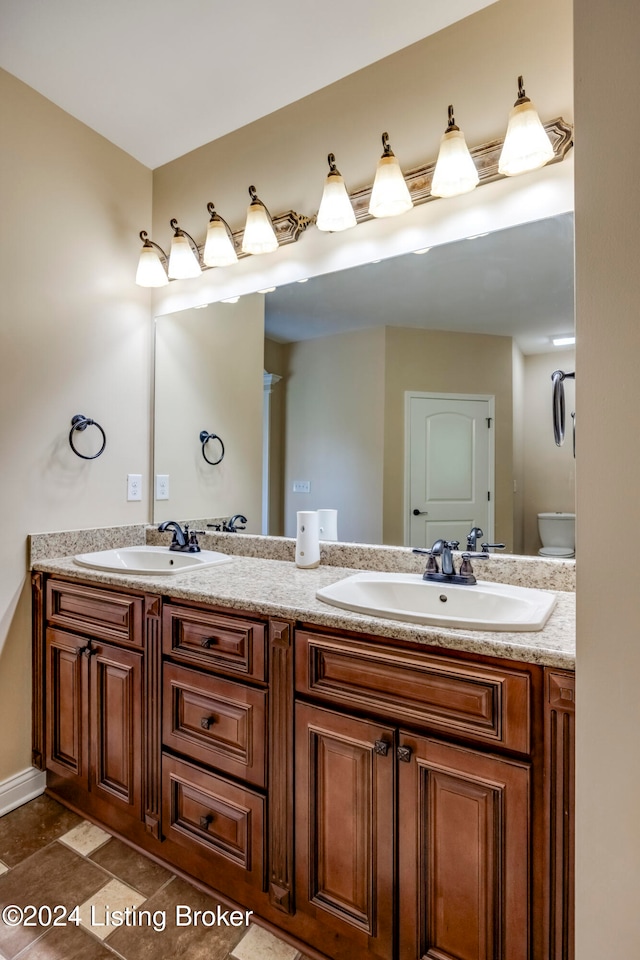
(558, 535)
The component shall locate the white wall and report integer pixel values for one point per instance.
(75, 337)
(608, 468)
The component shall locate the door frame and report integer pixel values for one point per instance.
(409, 395)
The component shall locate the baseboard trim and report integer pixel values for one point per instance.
(21, 788)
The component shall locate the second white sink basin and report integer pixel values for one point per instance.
(406, 596)
(150, 560)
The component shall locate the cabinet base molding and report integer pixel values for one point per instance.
(21, 788)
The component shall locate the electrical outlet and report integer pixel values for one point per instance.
(134, 486)
(302, 486)
(162, 486)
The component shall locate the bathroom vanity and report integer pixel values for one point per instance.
(374, 790)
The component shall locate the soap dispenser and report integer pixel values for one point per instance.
(307, 539)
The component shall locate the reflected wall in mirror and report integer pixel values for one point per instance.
(208, 376)
(472, 317)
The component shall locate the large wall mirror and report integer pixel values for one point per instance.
(307, 387)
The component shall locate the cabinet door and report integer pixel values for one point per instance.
(116, 726)
(344, 829)
(463, 853)
(67, 706)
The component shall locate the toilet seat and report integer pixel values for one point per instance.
(559, 553)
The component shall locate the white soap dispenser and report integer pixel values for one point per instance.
(307, 539)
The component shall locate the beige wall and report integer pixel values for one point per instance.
(608, 467)
(549, 471)
(334, 435)
(209, 376)
(518, 449)
(435, 360)
(276, 362)
(75, 337)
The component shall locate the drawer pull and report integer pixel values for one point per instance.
(381, 748)
(207, 722)
(404, 754)
(208, 642)
(205, 821)
(88, 651)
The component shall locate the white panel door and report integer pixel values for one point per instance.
(450, 465)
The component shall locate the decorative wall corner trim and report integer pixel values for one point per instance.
(21, 788)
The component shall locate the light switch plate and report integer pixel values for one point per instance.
(162, 486)
(302, 486)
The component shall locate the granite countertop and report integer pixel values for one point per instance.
(278, 588)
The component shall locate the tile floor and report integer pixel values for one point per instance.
(50, 857)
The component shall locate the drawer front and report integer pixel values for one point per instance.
(214, 819)
(202, 638)
(103, 614)
(216, 721)
(461, 698)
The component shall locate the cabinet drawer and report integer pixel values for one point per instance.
(477, 702)
(214, 819)
(216, 721)
(232, 645)
(103, 614)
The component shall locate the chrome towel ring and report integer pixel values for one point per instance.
(205, 436)
(557, 378)
(79, 422)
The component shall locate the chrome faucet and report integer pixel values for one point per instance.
(182, 540)
(472, 538)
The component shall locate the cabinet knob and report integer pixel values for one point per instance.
(207, 722)
(404, 754)
(381, 748)
(206, 642)
(205, 821)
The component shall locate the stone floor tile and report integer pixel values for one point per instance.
(99, 913)
(260, 944)
(85, 838)
(33, 826)
(67, 943)
(52, 876)
(188, 942)
(141, 873)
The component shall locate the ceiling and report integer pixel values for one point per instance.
(162, 77)
(516, 282)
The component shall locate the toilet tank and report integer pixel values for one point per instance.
(557, 529)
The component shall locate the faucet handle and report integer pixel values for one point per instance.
(492, 546)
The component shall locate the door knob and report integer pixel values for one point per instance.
(419, 513)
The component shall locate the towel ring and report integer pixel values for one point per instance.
(205, 436)
(80, 422)
(557, 378)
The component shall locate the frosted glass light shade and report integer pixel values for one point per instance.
(259, 235)
(336, 212)
(182, 260)
(455, 171)
(150, 272)
(526, 144)
(219, 250)
(390, 195)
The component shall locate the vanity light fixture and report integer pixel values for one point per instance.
(455, 171)
(304, 280)
(421, 251)
(526, 144)
(267, 290)
(219, 249)
(259, 235)
(389, 195)
(151, 271)
(336, 212)
(183, 262)
(563, 341)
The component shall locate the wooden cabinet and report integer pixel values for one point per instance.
(375, 800)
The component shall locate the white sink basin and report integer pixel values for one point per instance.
(150, 560)
(406, 596)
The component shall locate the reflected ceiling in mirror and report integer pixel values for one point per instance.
(516, 283)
